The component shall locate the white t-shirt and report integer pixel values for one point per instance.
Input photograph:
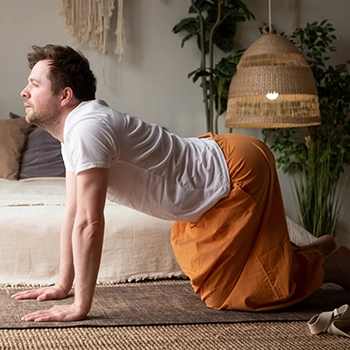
(151, 170)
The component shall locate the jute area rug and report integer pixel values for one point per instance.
(220, 336)
(167, 315)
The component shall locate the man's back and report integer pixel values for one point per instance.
(151, 170)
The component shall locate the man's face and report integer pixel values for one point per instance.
(42, 107)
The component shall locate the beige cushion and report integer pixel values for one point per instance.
(13, 135)
(41, 155)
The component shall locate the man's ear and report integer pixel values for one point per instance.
(67, 96)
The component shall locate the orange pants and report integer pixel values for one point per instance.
(239, 255)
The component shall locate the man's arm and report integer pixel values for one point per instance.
(62, 287)
(83, 250)
(66, 276)
(88, 233)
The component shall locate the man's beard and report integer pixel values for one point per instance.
(47, 119)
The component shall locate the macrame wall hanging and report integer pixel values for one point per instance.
(88, 22)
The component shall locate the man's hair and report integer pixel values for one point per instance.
(68, 68)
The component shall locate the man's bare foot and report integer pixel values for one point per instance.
(325, 244)
(337, 267)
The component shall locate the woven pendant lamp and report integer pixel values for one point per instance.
(273, 88)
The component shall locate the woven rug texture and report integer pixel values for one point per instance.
(235, 336)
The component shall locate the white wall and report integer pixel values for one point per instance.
(151, 81)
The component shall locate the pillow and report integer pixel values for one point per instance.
(13, 135)
(41, 155)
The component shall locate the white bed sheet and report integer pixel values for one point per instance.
(136, 246)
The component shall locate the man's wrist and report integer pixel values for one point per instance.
(64, 287)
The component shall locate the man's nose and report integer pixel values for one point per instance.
(24, 92)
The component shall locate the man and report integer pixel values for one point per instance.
(222, 191)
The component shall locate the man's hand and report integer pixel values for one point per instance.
(46, 293)
(58, 313)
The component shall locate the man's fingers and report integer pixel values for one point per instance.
(41, 294)
(25, 295)
(39, 316)
(58, 313)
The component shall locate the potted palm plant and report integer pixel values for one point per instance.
(213, 23)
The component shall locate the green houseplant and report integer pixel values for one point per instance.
(213, 23)
(317, 156)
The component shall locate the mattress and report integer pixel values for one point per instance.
(136, 246)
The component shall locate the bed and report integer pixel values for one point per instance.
(136, 246)
(32, 197)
